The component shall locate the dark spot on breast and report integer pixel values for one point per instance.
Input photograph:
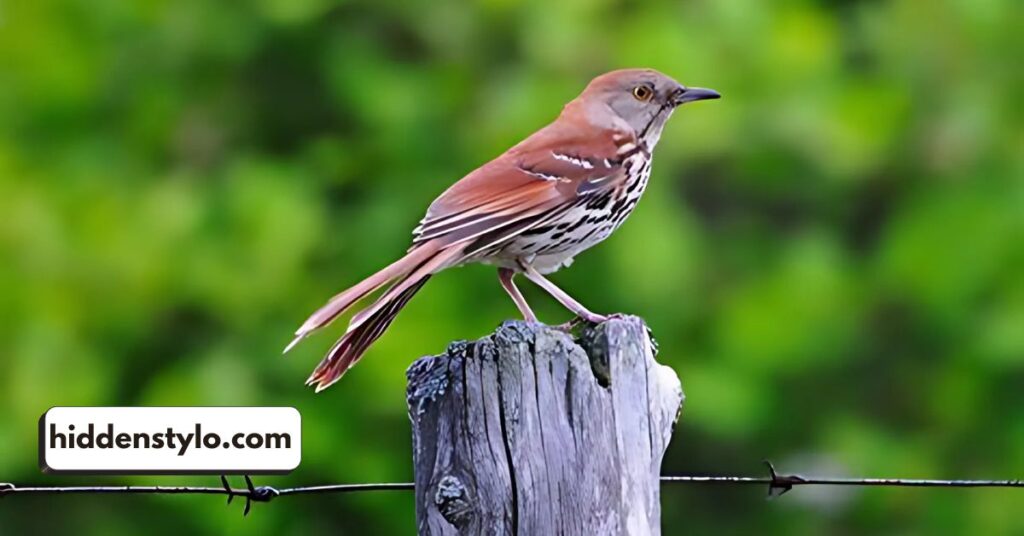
(588, 235)
(619, 205)
(599, 201)
(572, 226)
(538, 230)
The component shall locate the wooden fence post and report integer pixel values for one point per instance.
(529, 431)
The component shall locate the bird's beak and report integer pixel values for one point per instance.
(690, 94)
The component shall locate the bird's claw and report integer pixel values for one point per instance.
(570, 325)
(591, 318)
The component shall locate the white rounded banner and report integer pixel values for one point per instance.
(170, 440)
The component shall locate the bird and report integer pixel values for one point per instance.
(529, 211)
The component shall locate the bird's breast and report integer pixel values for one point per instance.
(582, 223)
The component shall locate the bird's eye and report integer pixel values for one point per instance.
(643, 93)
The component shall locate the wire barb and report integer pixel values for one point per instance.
(780, 484)
(227, 488)
(251, 493)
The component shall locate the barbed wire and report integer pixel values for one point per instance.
(778, 484)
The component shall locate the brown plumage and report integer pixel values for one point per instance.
(531, 210)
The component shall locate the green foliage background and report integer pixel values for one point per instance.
(831, 256)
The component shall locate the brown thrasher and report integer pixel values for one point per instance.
(530, 210)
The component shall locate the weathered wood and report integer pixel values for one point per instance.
(529, 431)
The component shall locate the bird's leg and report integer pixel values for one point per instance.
(576, 307)
(505, 275)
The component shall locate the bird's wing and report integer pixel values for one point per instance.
(515, 191)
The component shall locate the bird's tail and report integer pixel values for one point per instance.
(341, 302)
(408, 273)
(347, 351)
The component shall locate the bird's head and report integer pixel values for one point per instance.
(642, 98)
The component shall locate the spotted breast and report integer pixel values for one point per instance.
(592, 217)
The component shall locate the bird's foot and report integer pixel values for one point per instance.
(590, 318)
(570, 325)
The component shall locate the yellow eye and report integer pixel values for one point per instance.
(642, 93)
